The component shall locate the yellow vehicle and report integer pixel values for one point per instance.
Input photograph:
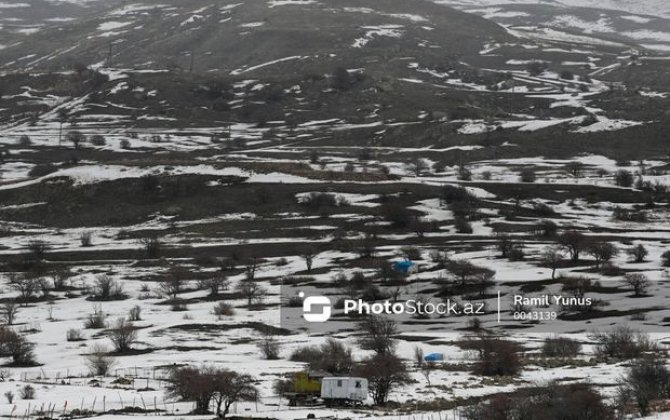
(306, 388)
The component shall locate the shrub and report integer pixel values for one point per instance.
(527, 175)
(27, 392)
(223, 309)
(42, 170)
(622, 343)
(152, 246)
(17, 347)
(626, 215)
(24, 141)
(202, 385)
(497, 357)
(332, 356)
(99, 361)
(638, 282)
(398, 215)
(125, 144)
(98, 140)
(76, 137)
(623, 178)
(123, 335)
(269, 348)
(96, 320)
(646, 380)
(665, 259)
(562, 347)
(462, 225)
(73, 334)
(411, 252)
(9, 395)
(86, 239)
(464, 174)
(638, 253)
(135, 313)
(554, 402)
(106, 288)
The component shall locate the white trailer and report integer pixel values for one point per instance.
(344, 390)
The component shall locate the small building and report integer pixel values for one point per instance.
(349, 389)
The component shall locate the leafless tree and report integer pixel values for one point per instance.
(99, 361)
(378, 334)
(308, 253)
(418, 356)
(106, 288)
(383, 372)
(174, 282)
(602, 252)
(552, 258)
(638, 253)
(574, 242)
(60, 276)
(123, 335)
(252, 292)
(9, 311)
(38, 249)
(418, 166)
(206, 384)
(27, 285)
(215, 283)
(269, 347)
(639, 282)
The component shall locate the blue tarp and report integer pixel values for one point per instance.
(434, 357)
(404, 266)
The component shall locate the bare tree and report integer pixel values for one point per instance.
(215, 283)
(378, 334)
(418, 166)
(639, 282)
(638, 253)
(646, 380)
(38, 250)
(123, 335)
(17, 347)
(106, 288)
(552, 258)
(602, 252)
(418, 356)
(308, 253)
(574, 242)
(173, 282)
(60, 276)
(204, 385)
(426, 369)
(231, 387)
(383, 372)
(76, 138)
(250, 267)
(9, 311)
(99, 361)
(269, 347)
(252, 292)
(27, 285)
(574, 168)
(152, 246)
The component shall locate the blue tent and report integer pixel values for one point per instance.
(434, 357)
(404, 266)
